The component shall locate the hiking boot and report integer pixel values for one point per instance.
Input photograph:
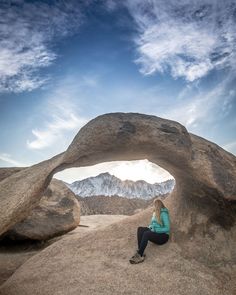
(135, 254)
(144, 255)
(137, 258)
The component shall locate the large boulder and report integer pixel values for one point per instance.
(202, 205)
(13, 255)
(57, 213)
(6, 172)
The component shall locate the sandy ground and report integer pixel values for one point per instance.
(12, 257)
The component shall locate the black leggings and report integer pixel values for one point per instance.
(144, 235)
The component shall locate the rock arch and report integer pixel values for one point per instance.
(203, 201)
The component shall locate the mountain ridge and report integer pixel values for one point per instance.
(109, 185)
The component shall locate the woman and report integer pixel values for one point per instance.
(157, 232)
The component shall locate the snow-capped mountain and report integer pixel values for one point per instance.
(106, 184)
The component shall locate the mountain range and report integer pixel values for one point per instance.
(106, 184)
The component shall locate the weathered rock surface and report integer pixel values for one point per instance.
(6, 172)
(98, 263)
(202, 205)
(13, 255)
(22, 191)
(57, 213)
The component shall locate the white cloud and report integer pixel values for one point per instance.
(141, 169)
(205, 108)
(61, 112)
(8, 159)
(61, 121)
(186, 38)
(54, 130)
(26, 32)
(132, 170)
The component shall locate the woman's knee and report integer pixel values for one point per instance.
(141, 228)
(147, 234)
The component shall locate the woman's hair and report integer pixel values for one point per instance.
(158, 204)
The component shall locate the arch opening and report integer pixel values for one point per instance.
(132, 185)
(124, 170)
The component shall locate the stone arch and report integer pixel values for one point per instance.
(205, 174)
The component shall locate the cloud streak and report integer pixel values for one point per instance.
(205, 107)
(8, 159)
(187, 39)
(26, 34)
(62, 118)
(53, 130)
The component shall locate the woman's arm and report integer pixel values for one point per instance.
(151, 224)
(166, 224)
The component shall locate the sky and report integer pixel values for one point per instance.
(62, 63)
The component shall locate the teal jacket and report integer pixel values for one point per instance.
(157, 227)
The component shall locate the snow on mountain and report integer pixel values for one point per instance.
(108, 185)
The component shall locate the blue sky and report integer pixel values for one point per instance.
(63, 63)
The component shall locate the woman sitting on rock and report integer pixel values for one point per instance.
(157, 232)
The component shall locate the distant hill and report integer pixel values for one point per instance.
(114, 205)
(106, 184)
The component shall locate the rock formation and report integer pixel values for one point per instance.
(202, 205)
(98, 263)
(57, 213)
(13, 255)
(6, 172)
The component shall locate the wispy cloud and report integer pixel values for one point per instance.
(62, 117)
(26, 34)
(54, 129)
(205, 107)
(185, 38)
(7, 158)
